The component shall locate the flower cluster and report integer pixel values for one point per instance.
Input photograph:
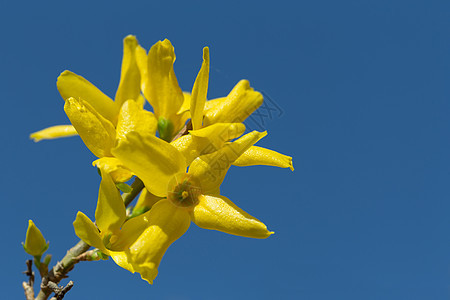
(181, 152)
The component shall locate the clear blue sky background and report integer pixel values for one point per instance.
(364, 91)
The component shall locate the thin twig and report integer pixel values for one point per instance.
(28, 286)
(137, 187)
(60, 291)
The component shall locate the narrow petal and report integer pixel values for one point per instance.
(184, 114)
(140, 100)
(187, 147)
(210, 169)
(116, 169)
(261, 156)
(96, 132)
(72, 85)
(110, 213)
(220, 133)
(213, 103)
(161, 87)
(207, 140)
(130, 232)
(165, 224)
(186, 103)
(130, 77)
(199, 92)
(86, 230)
(153, 160)
(141, 60)
(219, 213)
(134, 118)
(121, 259)
(53, 132)
(241, 102)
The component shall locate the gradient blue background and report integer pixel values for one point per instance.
(364, 89)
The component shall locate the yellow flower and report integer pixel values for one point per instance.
(160, 87)
(109, 215)
(98, 119)
(193, 196)
(35, 243)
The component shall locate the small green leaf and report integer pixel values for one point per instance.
(47, 259)
(124, 187)
(165, 129)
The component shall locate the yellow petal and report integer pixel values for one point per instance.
(96, 132)
(199, 92)
(130, 232)
(53, 132)
(261, 156)
(186, 146)
(241, 102)
(165, 224)
(35, 243)
(121, 259)
(220, 133)
(184, 114)
(213, 103)
(207, 139)
(118, 171)
(146, 200)
(186, 103)
(142, 63)
(140, 100)
(210, 169)
(130, 78)
(72, 85)
(219, 213)
(134, 118)
(110, 213)
(153, 160)
(161, 86)
(88, 232)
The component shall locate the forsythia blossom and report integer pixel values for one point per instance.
(182, 163)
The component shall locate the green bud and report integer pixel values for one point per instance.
(34, 242)
(165, 129)
(124, 187)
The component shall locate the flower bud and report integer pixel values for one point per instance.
(35, 243)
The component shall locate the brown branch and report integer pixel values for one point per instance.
(60, 291)
(136, 187)
(28, 286)
(60, 270)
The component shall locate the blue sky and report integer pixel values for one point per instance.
(363, 93)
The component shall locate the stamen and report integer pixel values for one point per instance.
(183, 190)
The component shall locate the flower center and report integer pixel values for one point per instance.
(183, 190)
